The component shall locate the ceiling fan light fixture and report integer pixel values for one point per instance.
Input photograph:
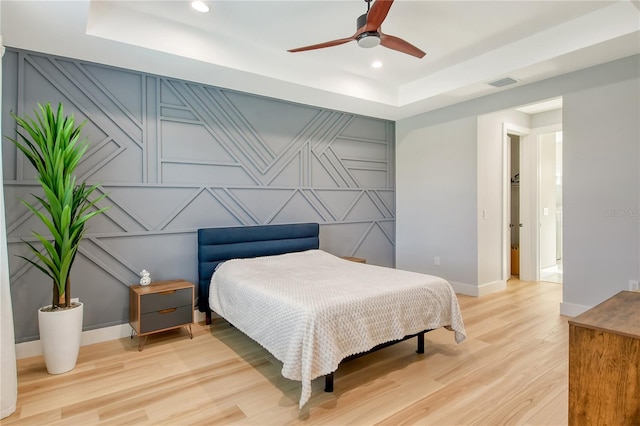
(368, 39)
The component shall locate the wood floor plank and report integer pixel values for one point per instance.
(512, 369)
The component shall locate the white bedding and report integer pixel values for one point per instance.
(311, 309)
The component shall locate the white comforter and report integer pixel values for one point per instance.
(311, 309)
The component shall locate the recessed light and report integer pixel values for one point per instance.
(200, 6)
(376, 64)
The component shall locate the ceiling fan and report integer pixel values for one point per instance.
(368, 33)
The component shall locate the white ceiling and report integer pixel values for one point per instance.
(242, 45)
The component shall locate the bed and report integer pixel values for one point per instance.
(310, 309)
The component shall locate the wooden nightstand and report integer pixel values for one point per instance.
(355, 259)
(160, 306)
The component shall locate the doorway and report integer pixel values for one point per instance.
(520, 244)
(514, 222)
(551, 207)
(532, 247)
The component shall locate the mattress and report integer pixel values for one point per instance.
(311, 309)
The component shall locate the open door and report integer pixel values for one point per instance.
(526, 224)
(529, 208)
(508, 261)
(513, 201)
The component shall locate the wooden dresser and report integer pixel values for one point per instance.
(604, 363)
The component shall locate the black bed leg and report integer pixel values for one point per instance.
(328, 382)
(420, 343)
(207, 317)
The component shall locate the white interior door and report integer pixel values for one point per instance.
(508, 222)
(529, 200)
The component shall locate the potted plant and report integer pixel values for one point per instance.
(51, 143)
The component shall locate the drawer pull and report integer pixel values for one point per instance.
(167, 292)
(167, 311)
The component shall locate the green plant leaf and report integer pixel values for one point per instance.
(52, 143)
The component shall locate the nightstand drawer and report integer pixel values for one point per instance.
(165, 300)
(166, 318)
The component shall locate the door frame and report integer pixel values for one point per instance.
(529, 202)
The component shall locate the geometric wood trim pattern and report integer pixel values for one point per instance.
(173, 156)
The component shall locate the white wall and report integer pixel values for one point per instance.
(436, 199)
(490, 148)
(601, 186)
(601, 163)
(547, 118)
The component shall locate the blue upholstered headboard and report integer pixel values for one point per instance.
(215, 245)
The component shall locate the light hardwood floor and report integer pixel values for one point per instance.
(512, 369)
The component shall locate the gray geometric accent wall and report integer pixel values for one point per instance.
(174, 156)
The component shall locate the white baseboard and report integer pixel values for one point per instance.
(479, 291)
(572, 309)
(466, 289)
(492, 287)
(89, 337)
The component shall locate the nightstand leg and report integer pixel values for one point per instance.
(189, 330)
(141, 342)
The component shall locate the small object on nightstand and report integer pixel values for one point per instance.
(161, 306)
(355, 259)
(146, 277)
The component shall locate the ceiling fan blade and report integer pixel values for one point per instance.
(395, 43)
(325, 44)
(377, 14)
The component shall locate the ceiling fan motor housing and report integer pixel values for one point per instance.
(361, 21)
(367, 38)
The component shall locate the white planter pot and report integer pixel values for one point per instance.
(60, 333)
